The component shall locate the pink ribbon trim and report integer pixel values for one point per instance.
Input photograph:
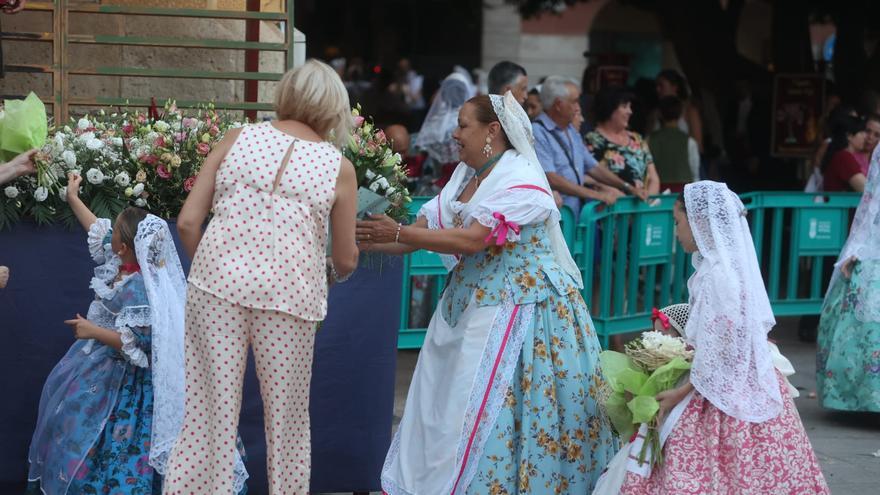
(500, 231)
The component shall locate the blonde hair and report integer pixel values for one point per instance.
(315, 95)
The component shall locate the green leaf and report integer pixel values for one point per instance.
(643, 408)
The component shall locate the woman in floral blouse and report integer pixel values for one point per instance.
(625, 152)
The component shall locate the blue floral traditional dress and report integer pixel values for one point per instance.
(848, 356)
(96, 410)
(503, 399)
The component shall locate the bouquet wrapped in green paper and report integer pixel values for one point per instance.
(23, 126)
(651, 364)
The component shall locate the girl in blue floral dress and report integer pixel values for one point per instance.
(848, 359)
(111, 408)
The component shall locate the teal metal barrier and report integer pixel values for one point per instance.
(631, 263)
(418, 264)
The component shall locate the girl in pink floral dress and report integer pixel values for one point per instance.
(739, 432)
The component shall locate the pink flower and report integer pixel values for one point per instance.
(189, 183)
(190, 123)
(150, 159)
(358, 121)
(141, 119)
(203, 148)
(380, 137)
(159, 142)
(214, 130)
(128, 129)
(179, 137)
(163, 172)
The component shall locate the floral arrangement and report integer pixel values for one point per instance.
(378, 169)
(127, 159)
(650, 364)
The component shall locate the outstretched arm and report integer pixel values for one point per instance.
(83, 213)
(383, 230)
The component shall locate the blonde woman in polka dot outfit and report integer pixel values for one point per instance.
(259, 277)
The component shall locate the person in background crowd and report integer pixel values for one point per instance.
(841, 170)
(562, 153)
(872, 137)
(507, 76)
(832, 122)
(623, 151)
(671, 83)
(413, 163)
(533, 103)
(435, 135)
(676, 155)
(412, 83)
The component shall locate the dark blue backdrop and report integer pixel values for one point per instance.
(352, 395)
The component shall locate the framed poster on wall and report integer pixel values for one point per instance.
(798, 106)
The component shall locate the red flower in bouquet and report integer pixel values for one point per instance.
(203, 148)
(163, 172)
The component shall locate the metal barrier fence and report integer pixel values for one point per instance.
(61, 38)
(631, 263)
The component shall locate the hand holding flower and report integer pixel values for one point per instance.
(73, 183)
(379, 229)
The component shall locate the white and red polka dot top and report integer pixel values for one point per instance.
(265, 245)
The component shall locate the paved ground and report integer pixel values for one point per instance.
(843, 442)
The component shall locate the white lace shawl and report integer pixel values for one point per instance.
(730, 312)
(863, 243)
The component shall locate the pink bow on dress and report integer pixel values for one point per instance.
(500, 230)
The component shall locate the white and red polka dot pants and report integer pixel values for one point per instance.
(217, 338)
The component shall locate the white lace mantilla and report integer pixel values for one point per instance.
(730, 314)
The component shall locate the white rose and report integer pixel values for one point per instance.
(133, 143)
(41, 194)
(122, 179)
(11, 192)
(83, 123)
(374, 187)
(67, 129)
(86, 137)
(94, 144)
(62, 193)
(140, 202)
(137, 189)
(69, 158)
(152, 136)
(95, 176)
(117, 141)
(161, 126)
(370, 175)
(58, 142)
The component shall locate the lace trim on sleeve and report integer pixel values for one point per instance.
(97, 232)
(430, 211)
(130, 349)
(134, 316)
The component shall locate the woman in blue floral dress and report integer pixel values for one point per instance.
(848, 357)
(504, 396)
(104, 426)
